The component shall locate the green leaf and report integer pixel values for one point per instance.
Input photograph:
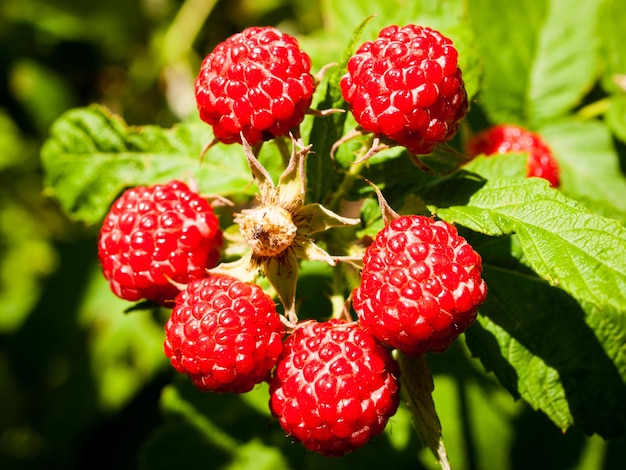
(579, 251)
(197, 431)
(14, 149)
(612, 34)
(616, 116)
(92, 155)
(327, 130)
(507, 46)
(125, 350)
(417, 387)
(480, 421)
(507, 165)
(532, 75)
(563, 71)
(575, 250)
(41, 91)
(254, 455)
(546, 349)
(27, 256)
(589, 164)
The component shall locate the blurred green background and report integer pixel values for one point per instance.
(84, 386)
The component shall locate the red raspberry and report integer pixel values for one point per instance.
(154, 235)
(224, 334)
(420, 286)
(406, 86)
(507, 138)
(257, 82)
(334, 387)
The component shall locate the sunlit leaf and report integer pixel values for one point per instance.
(92, 155)
(531, 74)
(567, 245)
(589, 164)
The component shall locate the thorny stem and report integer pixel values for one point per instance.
(355, 169)
(206, 148)
(319, 76)
(258, 171)
(341, 308)
(337, 298)
(373, 150)
(355, 261)
(324, 112)
(338, 302)
(353, 134)
(340, 305)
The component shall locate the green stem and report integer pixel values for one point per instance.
(338, 299)
(594, 109)
(417, 389)
(182, 32)
(346, 184)
(172, 401)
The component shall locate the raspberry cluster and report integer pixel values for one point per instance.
(333, 384)
(510, 138)
(407, 87)
(258, 83)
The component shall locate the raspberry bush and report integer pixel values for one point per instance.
(321, 258)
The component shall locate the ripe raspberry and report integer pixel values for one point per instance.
(406, 86)
(257, 82)
(506, 138)
(420, 286)
(156, 234)
(224, 334)
(334, 387)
